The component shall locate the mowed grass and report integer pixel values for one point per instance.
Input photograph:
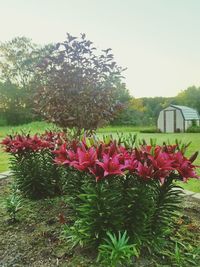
(39, 127)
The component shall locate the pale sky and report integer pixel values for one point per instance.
(157, 40)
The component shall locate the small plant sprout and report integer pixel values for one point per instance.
(116, 251)
(13, 204)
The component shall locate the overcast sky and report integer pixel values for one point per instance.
(157, 40)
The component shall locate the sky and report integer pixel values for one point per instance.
(158, 41)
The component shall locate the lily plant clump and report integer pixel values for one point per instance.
(117, 188)
(112, 187)
(32, 162)
(147, 162)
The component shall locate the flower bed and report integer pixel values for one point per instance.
(117, 193)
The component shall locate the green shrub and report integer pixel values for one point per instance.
(146, 210)
(193, 129)
(3, 121)
(150, 130)
(35, 174)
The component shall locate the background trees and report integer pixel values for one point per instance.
(18, 60)
(190, 97)
(76, 86)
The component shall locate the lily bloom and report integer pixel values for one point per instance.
(145, 171)
(97, 171)
(162, 161)
(61, 154)
(186, 170)
(84, 159)
(111, 165)
(131, 164)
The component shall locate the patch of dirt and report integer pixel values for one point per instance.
(34, 240)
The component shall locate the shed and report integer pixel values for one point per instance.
(177, 119)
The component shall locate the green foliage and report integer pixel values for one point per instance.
(142, 111)
(35, 174)
(150, 130)
(128, 141)
(190, 97)
(3, 121)
(181, 254)
(13, 105)
(73, 76)
(145, 111)
(18, 60)
(193, 129)
(138, 209)
(97, 210)
(116, 251)
(71, 181)
(129, 117)
(167, 209)
(146, 210)
(13, 204)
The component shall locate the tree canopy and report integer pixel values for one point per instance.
(78, 85)
(18, 60)
(190, 97)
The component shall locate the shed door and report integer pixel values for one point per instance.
(169, 121)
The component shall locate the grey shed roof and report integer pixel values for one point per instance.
(188, 113)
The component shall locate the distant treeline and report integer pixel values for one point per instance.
(145, 110)
(19, 59)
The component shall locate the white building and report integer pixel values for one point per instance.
(177, 119)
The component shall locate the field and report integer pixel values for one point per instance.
(38, 127)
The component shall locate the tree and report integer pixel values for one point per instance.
(122, 93)
(142, 111)
(78, 86)
(13, 109)
(190, 97)
(18, 60)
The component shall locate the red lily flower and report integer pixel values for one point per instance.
(111, 165)
(85, 159)
(162, 162)
(61, 154)
(186, 170)
(145, 171)
(97, 171)
(131, 164)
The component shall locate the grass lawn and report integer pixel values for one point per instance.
(38, 127)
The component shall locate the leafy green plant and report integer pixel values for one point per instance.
(35, 174)
(167, 209)
(13, 204)
(116, 251)
(193, 129)
(180, 250)
(74, 235)
(95, 211)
